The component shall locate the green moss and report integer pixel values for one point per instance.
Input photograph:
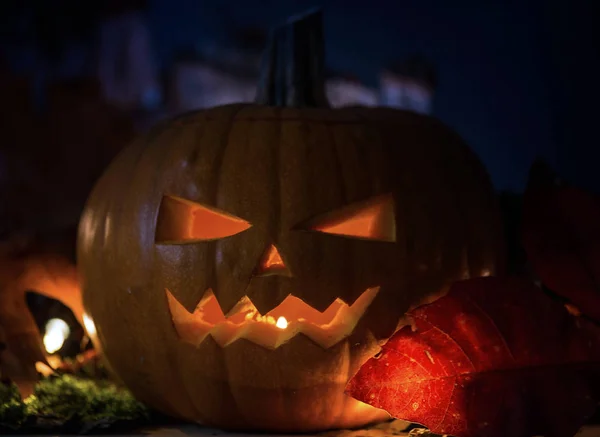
(70, 399)
(12, 410)
(66, 396)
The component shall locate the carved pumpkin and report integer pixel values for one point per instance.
(242, 262)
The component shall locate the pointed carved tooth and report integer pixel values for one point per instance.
(177, 310)
(330, 312)
(208, 296)
(341, 318)
(208, 309)
(187, 325)
(285, 335)
(315, 333)
(243, 310)
(361, 304)
(329, 335)
(226, 333)
(342, 324)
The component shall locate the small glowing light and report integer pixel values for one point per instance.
(281, 323)
(54, 361)
(57, 331)
(573, 310)
(89, 325)
(44, 369)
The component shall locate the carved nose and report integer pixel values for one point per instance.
(271, 263)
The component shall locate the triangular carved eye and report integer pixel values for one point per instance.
(373, 219)
(183, 221)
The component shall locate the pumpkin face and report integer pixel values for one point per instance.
(242, 262)
(282, 313)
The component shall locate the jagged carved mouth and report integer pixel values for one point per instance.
(290, 318)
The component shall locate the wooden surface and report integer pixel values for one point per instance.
(394, 428)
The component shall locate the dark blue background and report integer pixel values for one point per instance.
(518, 79)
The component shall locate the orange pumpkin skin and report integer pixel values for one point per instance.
(277, 168)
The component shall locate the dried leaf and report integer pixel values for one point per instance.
(493, 358)
(561, 235)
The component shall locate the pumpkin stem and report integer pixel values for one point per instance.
(292, 74)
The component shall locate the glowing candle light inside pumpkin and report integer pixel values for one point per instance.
(57, 331)
(281, 323)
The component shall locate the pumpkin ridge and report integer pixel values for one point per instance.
(486, 255)
(215, 183)
(471, 248)
(348, 255)
(167, 155)
(464, 221)
(188, 154)
(200, 130)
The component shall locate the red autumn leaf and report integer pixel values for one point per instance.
(561, 235)
(493, 358)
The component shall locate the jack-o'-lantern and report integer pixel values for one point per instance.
(241, 263)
